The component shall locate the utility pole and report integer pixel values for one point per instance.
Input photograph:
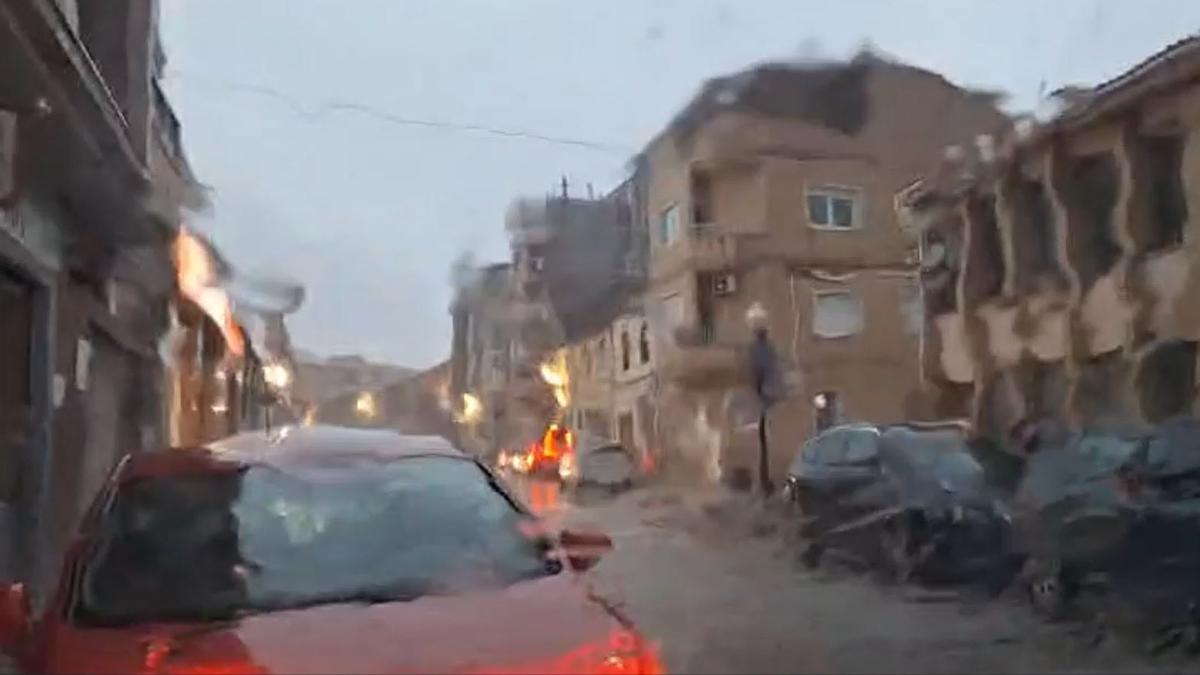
(764, 370)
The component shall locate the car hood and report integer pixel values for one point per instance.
(526, 627)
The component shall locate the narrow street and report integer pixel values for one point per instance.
(711, 578)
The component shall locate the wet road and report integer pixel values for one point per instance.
(714, 580)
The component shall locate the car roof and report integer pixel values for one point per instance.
(848, 426)
(291, 447)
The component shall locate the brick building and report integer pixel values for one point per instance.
(1061, 268)
(774, 186)
(92, 181)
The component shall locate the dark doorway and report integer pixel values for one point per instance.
(16, 399)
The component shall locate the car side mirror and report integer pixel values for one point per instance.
(584, 548)
(14, 617)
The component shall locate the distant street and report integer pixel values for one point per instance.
(712, 579)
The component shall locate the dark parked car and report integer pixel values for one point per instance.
(1070, 514)
(908, 500)
(1122, 512)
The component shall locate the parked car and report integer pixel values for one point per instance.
(598, 462)
(1121, 513)
(910, 501)
(319, 550)
(1071, 513)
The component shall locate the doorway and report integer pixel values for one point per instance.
(16, 394)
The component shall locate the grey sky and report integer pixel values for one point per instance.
(369, 215)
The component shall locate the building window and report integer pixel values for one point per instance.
(668, 224)
(834, 208)
(702, 211)
(644, 343)
(836, 314)
(624, 350)
(1163, 159)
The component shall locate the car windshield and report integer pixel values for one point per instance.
(189, 547)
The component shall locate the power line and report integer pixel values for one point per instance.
(315, 109)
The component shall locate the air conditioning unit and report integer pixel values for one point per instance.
(724, 284)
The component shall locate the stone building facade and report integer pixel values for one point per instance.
(774, 186)
(1061, 268)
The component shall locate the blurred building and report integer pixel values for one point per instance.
(319, 379)
(229, 355)
(416, 404)
(576, 262)
(487, 358)
(613, 381)
(1060, 269)
(774, 186)
(92, 182)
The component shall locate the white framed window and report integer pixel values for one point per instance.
(834, 208)
(668, 224)
(836, 314)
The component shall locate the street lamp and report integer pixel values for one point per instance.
(277, 375)
(365, 405)
(764, 371)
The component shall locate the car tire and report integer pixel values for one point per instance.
(1052, 591)
(811, 557)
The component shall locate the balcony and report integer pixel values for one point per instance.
(705, 248)
(695, 360)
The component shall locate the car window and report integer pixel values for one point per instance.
(938, 457)
(861, 445)
(190, 547)
(825, 448)
(840, 446)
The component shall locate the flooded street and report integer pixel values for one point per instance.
(714, 580)
(822, 337)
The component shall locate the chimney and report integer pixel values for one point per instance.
(564, 186)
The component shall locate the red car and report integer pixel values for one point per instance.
(319, 550)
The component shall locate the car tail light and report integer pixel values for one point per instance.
(624, 653)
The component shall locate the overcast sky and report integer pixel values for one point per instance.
(369, 213)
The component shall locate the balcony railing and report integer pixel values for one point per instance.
(705, 248)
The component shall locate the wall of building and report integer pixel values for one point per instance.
(1101, 333)
(759, 172)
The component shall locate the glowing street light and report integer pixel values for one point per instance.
(472, 408)
(365, 405)
(277, 376)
